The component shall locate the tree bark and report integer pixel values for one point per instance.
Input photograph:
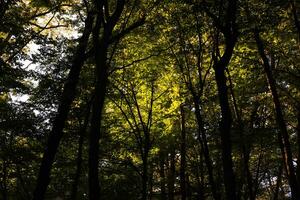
(200, 179)
(162, 176)
(196, 91)
(151, 182)
(78, 167)
(229, 31)
(278, 183)
(171, 175)
(283, 136)
(67, 98)
(202, 138)
(298, 142)
(101, 46)
(82, 133)
(225, 126)
(245, 170)
(95, 135)
(97, 107)
(145, 174)
(203, 142)
(183, 155)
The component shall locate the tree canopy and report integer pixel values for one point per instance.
(133, 99)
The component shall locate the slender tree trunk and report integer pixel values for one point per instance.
(100, 56)
(94, 136)
(200, 179)
(79, 155)
(145, 176)
(203, 142)
(67, 98)
(229, 31)
(162, 176)
(283, 137)
(171, 175)
(197, 104)
(249, 176)
(188, 187)
(257, 172)
(226, 119)
(78, 167)
(101, 45)
(298, 142)
(145, 158)
(278, 183)
(202, 139)
(225, 126)
(151, 182)
(183, 155)
(246, 174)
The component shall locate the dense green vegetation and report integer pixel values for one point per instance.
(132, 99)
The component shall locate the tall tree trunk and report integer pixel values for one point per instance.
(82, 133)
(204, 146)
(298, 142)
(202, 137)
(162, 176)
(78, 167)
(248, 175)
(229, 31)
(278, 182)
(226, 119)
(283, 136)
(67, 98)
(183, 155)
(172, 174)
(200, 179)
(196, 91)
(97, 107)
(94, 136)
(151, 182)
(145, 176)
(188, 187)
(225, 126)
(245, 153)
(101, 45)
(257, 172)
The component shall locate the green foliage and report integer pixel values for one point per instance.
(153, 70)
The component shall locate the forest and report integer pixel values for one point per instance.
(149, 99)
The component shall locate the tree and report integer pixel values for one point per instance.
(221, 62)
(283, 137)
(149, 99)
(67, 98)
